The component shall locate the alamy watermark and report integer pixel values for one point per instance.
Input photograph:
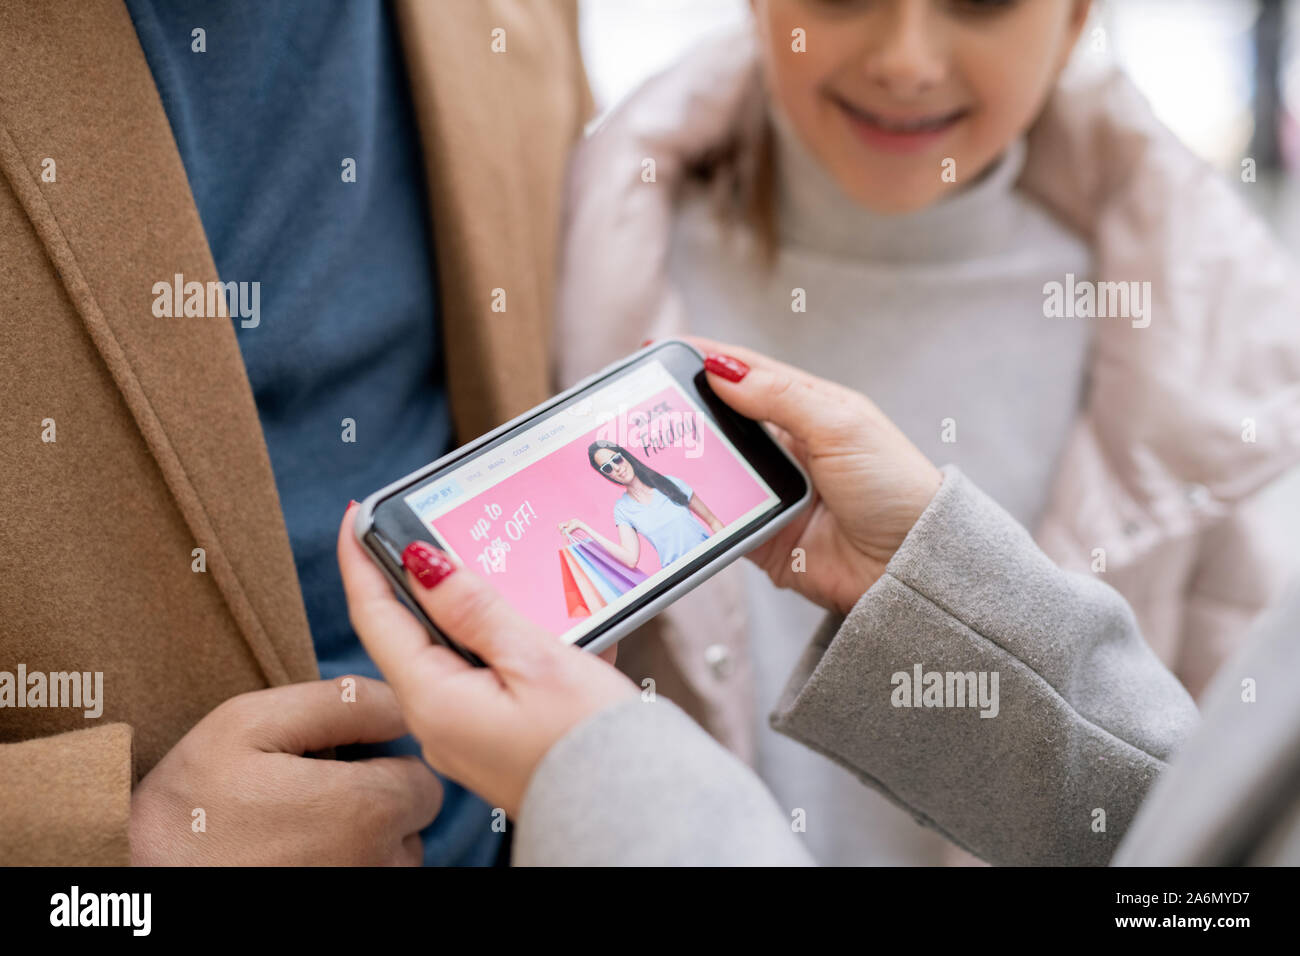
(210, 300)
(78, 689)
(922, 688)
(1084, 299)
(130, 910)
(654, 429)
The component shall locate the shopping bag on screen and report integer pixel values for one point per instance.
(590, 596)
(601, 566)
(608, 571)
(572, 596)
(623, 577)
(603, 585)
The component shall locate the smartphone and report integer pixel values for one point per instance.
(597, 509)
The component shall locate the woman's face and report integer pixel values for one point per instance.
(620, 469)
(887, 90)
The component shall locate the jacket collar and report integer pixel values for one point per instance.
(119, 218)
(493, 209)
(1200, 406)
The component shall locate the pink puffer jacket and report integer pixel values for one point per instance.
(1156, 477)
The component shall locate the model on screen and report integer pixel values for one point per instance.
(660, 508)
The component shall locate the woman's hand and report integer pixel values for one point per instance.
(626, 550)
(485, 727)
(572, 525)
(870, 483)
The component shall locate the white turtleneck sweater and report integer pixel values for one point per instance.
(938, 317)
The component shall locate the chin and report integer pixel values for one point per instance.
(894, 185)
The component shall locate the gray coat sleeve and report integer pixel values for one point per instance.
(641, 784)
(1073, 718)
(1048, 769)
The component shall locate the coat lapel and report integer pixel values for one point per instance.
(75, 87)
(495, 129)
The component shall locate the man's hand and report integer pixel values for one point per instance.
(266, 804)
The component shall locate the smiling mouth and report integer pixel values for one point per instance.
(899, 132)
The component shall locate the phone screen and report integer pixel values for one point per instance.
(596, 503)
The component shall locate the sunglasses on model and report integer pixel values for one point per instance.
(610, 465)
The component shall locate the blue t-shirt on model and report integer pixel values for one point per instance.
(671, 529)
(264, 119)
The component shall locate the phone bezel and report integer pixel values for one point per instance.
(385, 524)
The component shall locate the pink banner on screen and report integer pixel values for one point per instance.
(523, 513)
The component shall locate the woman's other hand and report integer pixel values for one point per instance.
(870, 483)
(485, 727)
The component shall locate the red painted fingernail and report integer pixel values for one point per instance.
(427, 563)
(732, 369)
(351, 502)
(646, 342)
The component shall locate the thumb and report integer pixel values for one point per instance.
(764, 389)
(470, 611)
